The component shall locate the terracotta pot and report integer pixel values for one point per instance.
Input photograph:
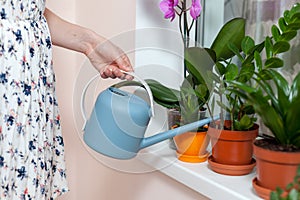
(232, 147)
(274, 169)
(191, 146)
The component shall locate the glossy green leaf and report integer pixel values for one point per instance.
(273, 63)
(275, 33)
(281, 82)
(280, 47)
(246, 72)
(162, 95)
(270, 117)
(220, 68)
(282, 24)
(294, 12)
(258, 48)
(235, 50)
(232, 72)
(232, 32)
(162, 92)
(245, 123)
(295, 18)
(258, 60)
(293, 27)
(292, 116)
(198, 62)
(288, 35)
(295, 88)
(269, 47)
(283, 91)
(264, 74)
(247, 44)
(202, 94)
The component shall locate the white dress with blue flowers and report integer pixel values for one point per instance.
(32, 163)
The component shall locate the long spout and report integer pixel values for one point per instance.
(146, 142)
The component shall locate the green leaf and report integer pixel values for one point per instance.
(221, 70)
(283, 90)
(235, 50)
(247, 44)
(270, 117)
(199, 62)
(258, 60)
(269, 47)
(202, 93)
(163, 93)
(245, 122)
(264, 74)
(280, 47)
(274, 196)
(288, 35)
(293, 15)
(275, 33)
(281, 82)
(273, 63)
(232, 72)
(246, 72)
(257, 48)
(293, 27)
(293, 194)
(295, 88)
(232, 32)
(282, 24)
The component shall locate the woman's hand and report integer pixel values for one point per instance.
(106, 57)
(109, 60)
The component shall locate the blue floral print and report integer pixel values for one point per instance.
(32, 165)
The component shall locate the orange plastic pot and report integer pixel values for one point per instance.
(274, 169)
(191, 146)
(232, 147)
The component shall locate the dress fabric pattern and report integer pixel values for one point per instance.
(32, 165)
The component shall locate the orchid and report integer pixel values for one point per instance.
(168, 8)
(171, 8)
(195, 9)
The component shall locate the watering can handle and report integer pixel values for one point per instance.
(129, 73)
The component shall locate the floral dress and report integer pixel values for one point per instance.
(32, 165)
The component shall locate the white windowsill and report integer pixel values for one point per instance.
(198, 176)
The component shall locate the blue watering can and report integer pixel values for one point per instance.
(119, 120)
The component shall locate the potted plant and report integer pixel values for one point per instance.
(238, 113)
(277, 103)
(232, 136)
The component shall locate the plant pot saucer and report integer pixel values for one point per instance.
(233, 170)
(261, 191)
(192, 159)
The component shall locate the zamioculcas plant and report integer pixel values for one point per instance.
(259, 85)
(249, 64)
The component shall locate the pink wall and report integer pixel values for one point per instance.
(88, 178)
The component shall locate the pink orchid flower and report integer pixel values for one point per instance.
(195, 9)
(168, 8)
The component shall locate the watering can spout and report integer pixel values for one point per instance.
(146, 142)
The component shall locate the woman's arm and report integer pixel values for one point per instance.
(107, 58)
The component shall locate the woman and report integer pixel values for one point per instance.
(31, 145)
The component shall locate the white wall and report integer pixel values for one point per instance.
(89, 178)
